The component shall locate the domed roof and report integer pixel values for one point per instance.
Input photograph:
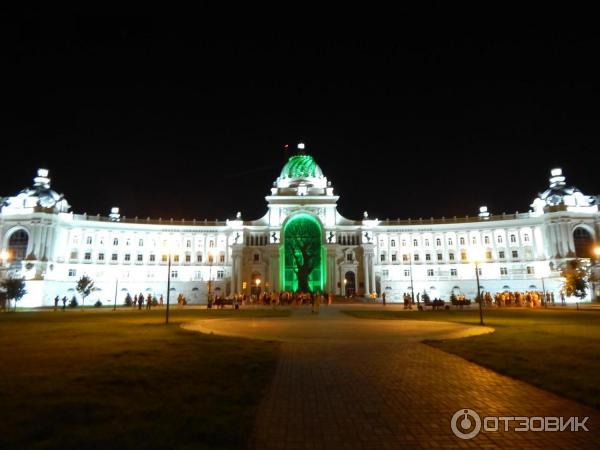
(560, 194)
(40, 195)
(301, 166)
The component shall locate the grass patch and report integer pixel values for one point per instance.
(124, 380)
(553, 349)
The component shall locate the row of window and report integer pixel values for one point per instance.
(440, 256)
(174, 274)
(454, 272)
(461, 241)
(151, 258)
(89, 241)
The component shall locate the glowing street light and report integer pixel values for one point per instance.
(477, 257)
(345, 281)
(4, 255)
(211, 257)
(168, 287)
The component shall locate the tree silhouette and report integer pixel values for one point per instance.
(15, 289)
(303, 244)
(575, 279)
(85, 286)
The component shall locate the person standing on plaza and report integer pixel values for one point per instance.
(64, 302)
(383, 298)
(56, 300)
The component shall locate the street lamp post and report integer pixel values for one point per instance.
(168, 287)
(412, 287)
(210, 264)
(476, 257)
(595, 271)
(116, 289)
(345, 293)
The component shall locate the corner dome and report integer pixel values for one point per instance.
(560, 195)
(301, 166)
(39, 196)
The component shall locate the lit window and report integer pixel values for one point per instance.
(530, 270)
(440, 257)
(404, 257)
(174, 274)
(114, 257)
(382, 257)
(463, 256)
(415, 243)
(188, 244)
(385, 273)
(127, 257)
(72, 272)
(429, 272)
(501, 254)
(220, 274)
(197, 275)
(188, 258)
(503, 271)
(474, 241)
(211, 243)
(513, 238)
(486, 239)
(140, 257)
(406, 273)
(164, 258)
(525, 238)
(394, 257)
(393, 242)
(349, 257)
(88, 240)
(462, 241)
(453, 272)
(403, 243)
(427, 257)
(199, 257)
(416, 256)
(152, 258)
(222, 258)
(210, 258)
(141, 243)
(438, 242)
(115, 241)
(479, 271)
(499, 239)
(74, 254)
(88, 256)
(451, 256)
(175, 258)
(100, 256)
(488, 255)
(515, 254)
(449, 241)
(426, 242)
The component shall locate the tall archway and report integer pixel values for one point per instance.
(350, 284)
(584, 242)
(17, 245)
(302, 257)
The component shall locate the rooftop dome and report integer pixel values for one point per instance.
(40, 195)
(559, 194)
(301, 166)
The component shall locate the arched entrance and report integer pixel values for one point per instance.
(350, 282)
(584, 242)
(302, 255)
(256, 284)
(17, 245)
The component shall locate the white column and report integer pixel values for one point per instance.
(372, 271)
(366, 274)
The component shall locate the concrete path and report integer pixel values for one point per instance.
(344, 383)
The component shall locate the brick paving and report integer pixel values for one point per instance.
(364, 393)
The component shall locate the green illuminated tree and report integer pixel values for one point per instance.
(575, 279)
(302, 240)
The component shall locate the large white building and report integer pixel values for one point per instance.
(302, 241)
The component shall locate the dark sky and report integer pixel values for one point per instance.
(177, 118)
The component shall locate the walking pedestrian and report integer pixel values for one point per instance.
(64, 302)
(383, 298)
(56, 300)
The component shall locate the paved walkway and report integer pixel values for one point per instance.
(345, 383)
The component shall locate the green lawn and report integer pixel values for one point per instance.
(124, 380)
(553, 349)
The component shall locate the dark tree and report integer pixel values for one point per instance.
(575, 279)
(302, 239)
(15, 289)
(85, 286)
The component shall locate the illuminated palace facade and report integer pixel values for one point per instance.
(302, 242)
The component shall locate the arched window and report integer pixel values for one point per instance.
(17, 245)
(583, 242)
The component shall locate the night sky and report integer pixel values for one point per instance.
(175, 118)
